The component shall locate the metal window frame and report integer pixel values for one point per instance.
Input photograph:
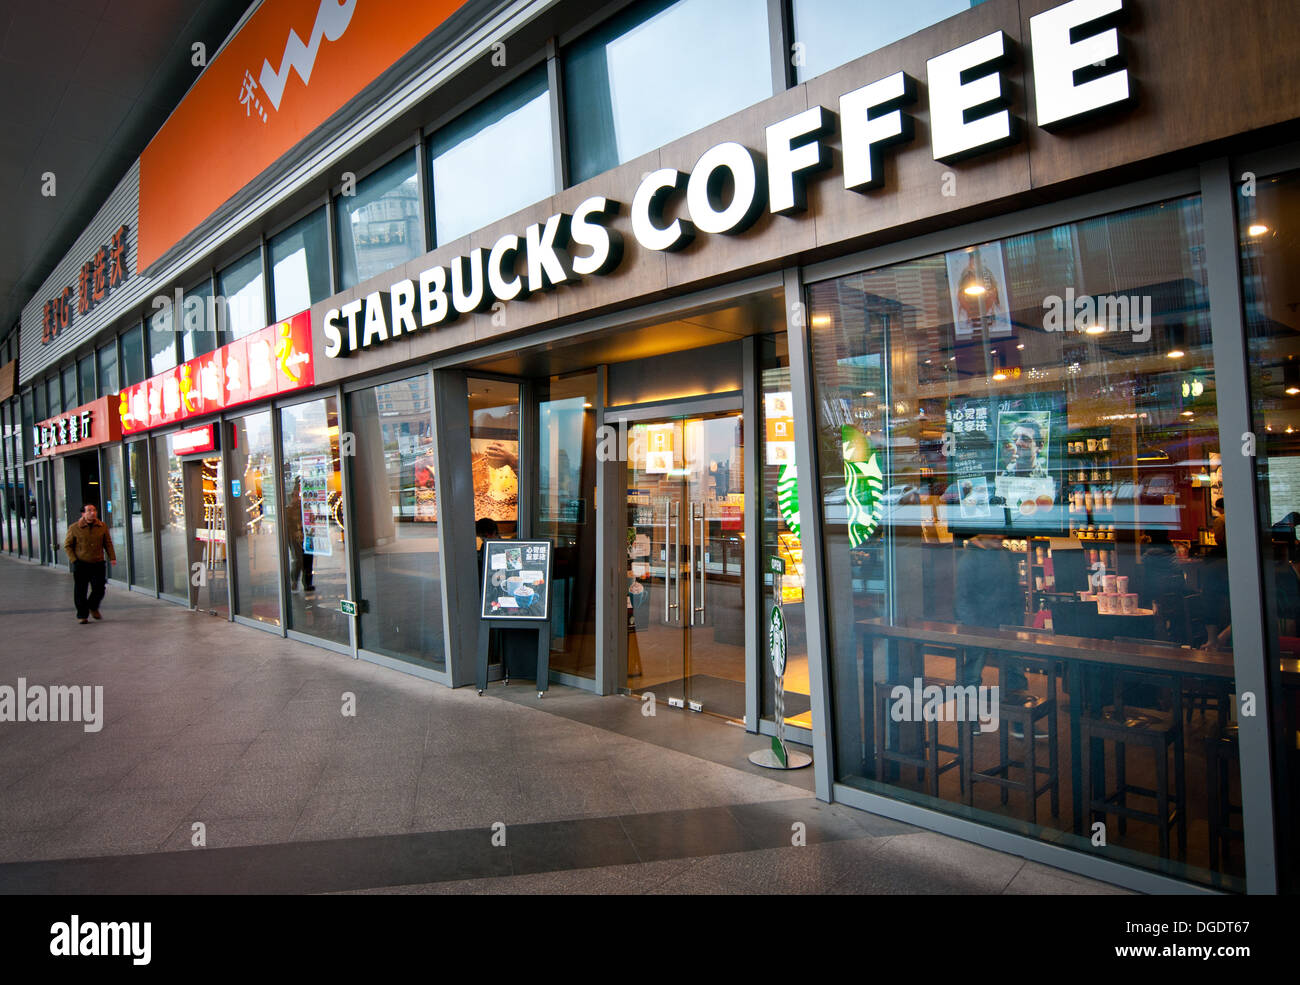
(1211, 182)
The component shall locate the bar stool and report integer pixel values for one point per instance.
(926, 758)
(1221, 752)
(1158, 733)
(1026, 709)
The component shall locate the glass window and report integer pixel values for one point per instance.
(162, 340)
(53, 400)
(42, 404)
(69, 387)
(174, 566)
(494, 160)
(380, 226)
(133, 370)
(1270, 267)
(659, 71)
(397, 521)
(240, 285)
(565, 516)
(1017, 436)
(200, 321)
(253, 518)
(29, 424)
(141, 510)
(107, 358)
(831, 32)
(300, 265)
(313, 516)
(780, 530)
(494, 447)
(115, 508)
(86, 380)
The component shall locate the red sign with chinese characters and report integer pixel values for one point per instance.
(194, 440)
(82, 427)
(267, 363)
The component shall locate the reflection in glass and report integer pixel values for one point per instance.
(115, 506)
(1270, 268)
(832, 32)
(141, 511)
(241, 286)
(300, 265)
(253, 518)
(86, 380)
(379, 226)
(205, 507)
(658, 71)
(494, 447)
(133, 370)
(493, 160)
(69, 387)
(780, 530)
(566, 517)
(199, 322)
(314, 522)
(108, 381)
(1020, 435)
(397, 521)
(174, 568)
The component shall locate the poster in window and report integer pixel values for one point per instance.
(977, 289)
(1023, 480)
(314, 470)
(495, 463)
(426, 496)
(516, 579)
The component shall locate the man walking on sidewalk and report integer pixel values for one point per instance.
(86, 544)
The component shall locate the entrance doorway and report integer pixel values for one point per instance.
(205, 520)
(686, 577)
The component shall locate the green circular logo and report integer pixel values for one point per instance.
(776, 640)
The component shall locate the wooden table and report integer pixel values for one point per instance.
(1077, 653)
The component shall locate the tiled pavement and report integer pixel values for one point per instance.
(242, 732)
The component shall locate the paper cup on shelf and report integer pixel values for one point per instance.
(1109, 584)
(1129, 603)
(1121, 584)
(1108, 602)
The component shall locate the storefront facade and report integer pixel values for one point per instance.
(979, 333)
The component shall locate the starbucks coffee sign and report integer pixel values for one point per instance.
(1078, 72)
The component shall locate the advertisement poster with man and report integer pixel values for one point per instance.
(977, 289)
(1023, 482)
(999, 462)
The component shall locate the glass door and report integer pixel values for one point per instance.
(206, 516)
(685, 602)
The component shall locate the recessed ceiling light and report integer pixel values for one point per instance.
(1187, 413)
(1095, 329)
(999, 376)
(1020, 346)
(820, 321)
(1257, 229)
(1175, 354)
(1292, 390)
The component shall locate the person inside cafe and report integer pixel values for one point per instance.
(1027, 440)
(989, 594)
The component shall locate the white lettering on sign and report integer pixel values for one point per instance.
(953, 134)
(1076, 74)
(332, 19)
(1060, 64)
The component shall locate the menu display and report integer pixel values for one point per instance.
(314, 471)
(516, 579)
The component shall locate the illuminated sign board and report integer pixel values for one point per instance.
(265, 364)
(191, 441)
(82, 427)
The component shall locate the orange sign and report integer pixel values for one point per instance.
(290, 67)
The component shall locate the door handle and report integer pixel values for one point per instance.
(703, 572)
(672, 572)
(690, 564)
(668, 543)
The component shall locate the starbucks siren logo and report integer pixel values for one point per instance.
(864, 485)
